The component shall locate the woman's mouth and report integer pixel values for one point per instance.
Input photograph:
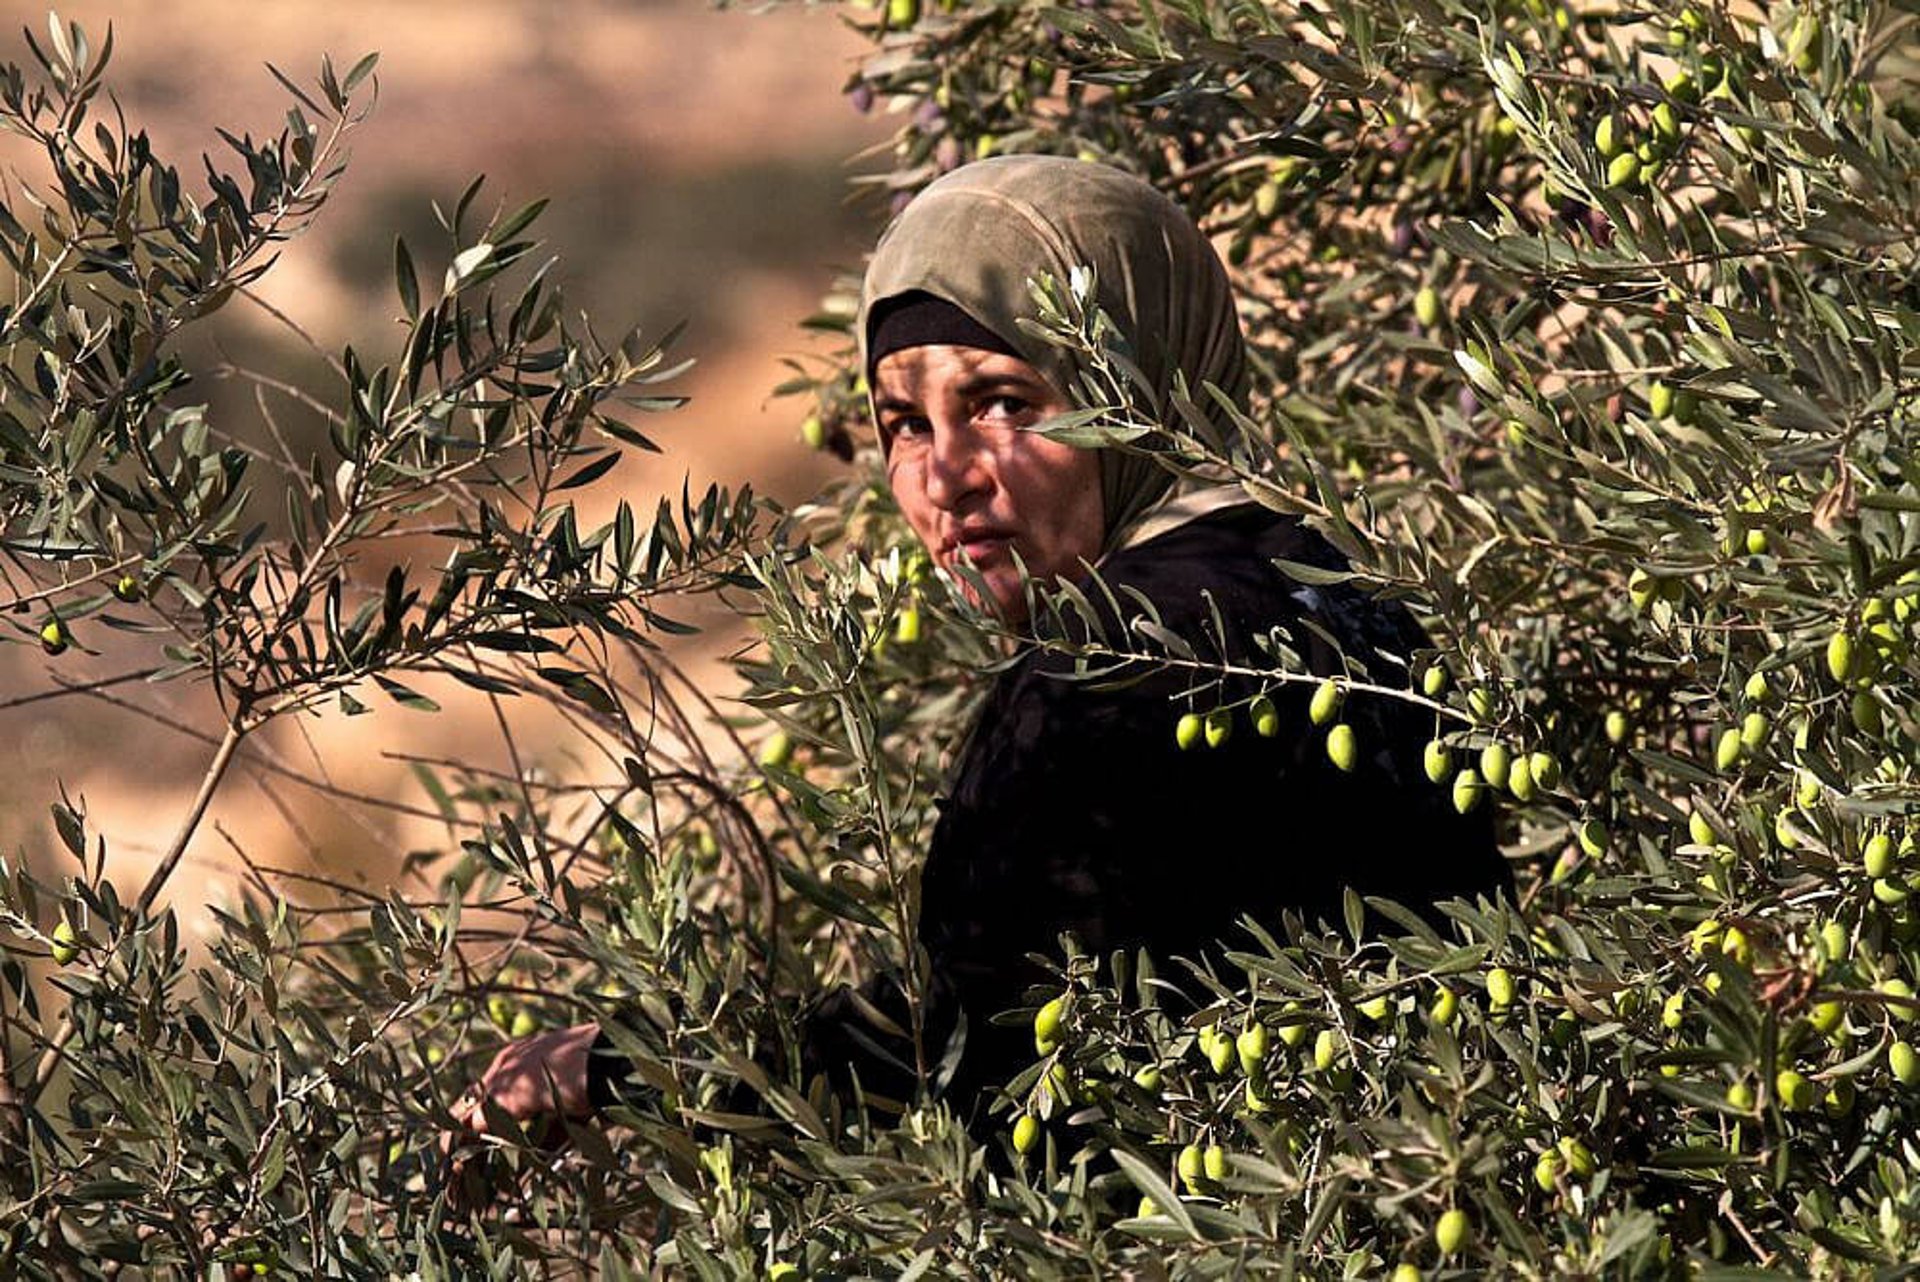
(976, 546)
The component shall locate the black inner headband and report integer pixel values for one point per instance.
(919, 319)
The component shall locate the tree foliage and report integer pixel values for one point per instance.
(1589, 332)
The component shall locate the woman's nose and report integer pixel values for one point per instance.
(957, 467)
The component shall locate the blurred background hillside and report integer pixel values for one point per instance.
(697, 160)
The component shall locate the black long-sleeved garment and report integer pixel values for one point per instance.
(1072, 809)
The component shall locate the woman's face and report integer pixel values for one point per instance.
(976, 487)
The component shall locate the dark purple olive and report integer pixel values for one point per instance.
(946, 153)
(928, 117)
(861, 96)
(1468, 402)
(1600, 227)
(1403, 237)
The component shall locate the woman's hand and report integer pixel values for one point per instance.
(540, 1076)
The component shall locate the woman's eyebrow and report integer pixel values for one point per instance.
(979, 384)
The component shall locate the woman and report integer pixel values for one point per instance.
(1073, 810)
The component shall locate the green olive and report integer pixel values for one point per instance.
(1734, 944)
(1606, 137)
(1147, 1078)
(1617, 726)
(1878, 855)
(1217, 725)
(1375, 1008)
(1826, 1017)
(1213, 1163)
(1495, 764)
(777, 752)
(1840, 655)
(1726, 755)
(1438, 762)
(1188, 730)
(1546, 1171)
(128, 588)
(1673, 1012)
(1266, 199)
(1500, 989)
(1903, 1063)
(1623, 169)
(1642, 589)
(54, 637)
(1192, 1165)
(1795, 1092)
(1426, 307)
(1445, 1007)
(1578, 1157)
(1666, 122)
(1221, 1053)
(1740, 1097)
(1433, 682)
(1341, 748)
(1454, 1233)
(1593, 838)
(1520, 779)
(523, 1025)
(1467, 789)
(1864, 709)
(906, 628)
(813, 432)
(1026, 1133)
(500, 1012)
(1326, 702)
(1545, 768)
(1758, 689)
(1659, 400)
(902, 13)
(1251, 1047)
(1265, 717)
(1700, 828)
(66, 943)
(1326, 1049)
(1046, 1025)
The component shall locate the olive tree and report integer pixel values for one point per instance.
(1589, 333)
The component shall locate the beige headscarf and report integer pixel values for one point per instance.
(977, 236)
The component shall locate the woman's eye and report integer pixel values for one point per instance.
(1004, 407)
(908, 425)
